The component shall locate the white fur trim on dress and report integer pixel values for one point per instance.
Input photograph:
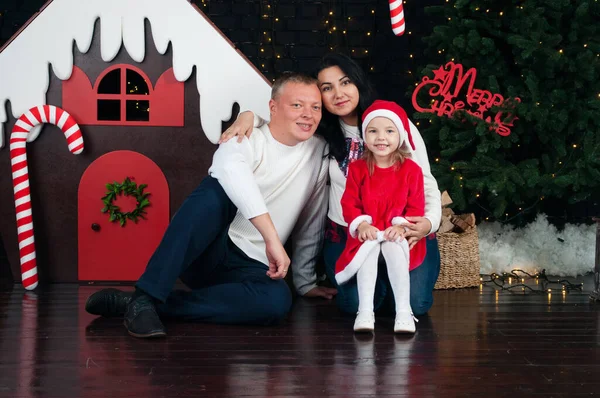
(356, 222)
(361, 255)
(399, 220)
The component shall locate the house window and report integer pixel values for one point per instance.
(124, 95)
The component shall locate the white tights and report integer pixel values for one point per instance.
(396, 257)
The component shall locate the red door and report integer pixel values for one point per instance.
(108, 251)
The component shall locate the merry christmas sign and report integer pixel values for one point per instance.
(446, 90)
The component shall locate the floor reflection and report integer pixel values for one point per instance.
(49, 346)
(27, 358)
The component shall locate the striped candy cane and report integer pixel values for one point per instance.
(397, 16)
(20, 174)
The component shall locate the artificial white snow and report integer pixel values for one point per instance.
(223, 76)
(537, 246)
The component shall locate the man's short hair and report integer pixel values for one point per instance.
(290, 77)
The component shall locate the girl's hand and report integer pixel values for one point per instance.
(242, 127)
(394, 232)
(366, 232)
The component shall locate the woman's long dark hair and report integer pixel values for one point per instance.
(330, 128)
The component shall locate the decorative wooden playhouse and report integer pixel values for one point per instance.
(151, 83)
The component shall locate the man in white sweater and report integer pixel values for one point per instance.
(226, 240)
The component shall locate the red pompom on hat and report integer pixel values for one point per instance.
(392, 111)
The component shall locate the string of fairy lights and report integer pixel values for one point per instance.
(515, 281)
(341, 26)
(353, 34)
(268, 52)
(348, 28)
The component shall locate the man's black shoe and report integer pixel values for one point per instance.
(108, 303)
(141, 319)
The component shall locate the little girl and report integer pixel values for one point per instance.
(382, 188)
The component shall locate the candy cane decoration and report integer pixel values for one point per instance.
(20, 174)
(397, 16)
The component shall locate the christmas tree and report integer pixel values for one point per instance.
(543, 149)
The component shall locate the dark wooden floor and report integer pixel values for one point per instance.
(476, 342)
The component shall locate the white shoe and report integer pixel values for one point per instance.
(405, 323)
(365, 321)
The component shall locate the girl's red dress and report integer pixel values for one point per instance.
(395, 191)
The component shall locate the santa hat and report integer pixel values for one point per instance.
(395, 113)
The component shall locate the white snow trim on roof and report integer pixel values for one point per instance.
(223, 76)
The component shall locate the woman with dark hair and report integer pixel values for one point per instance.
(346, 93)
(332, 66)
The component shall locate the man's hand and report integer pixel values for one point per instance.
(416, 229)
(279, 262)
(394, 232)
(366, 231)
(321, 291)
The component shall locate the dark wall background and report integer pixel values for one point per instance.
(292, 35)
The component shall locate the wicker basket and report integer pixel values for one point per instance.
(459, 253)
